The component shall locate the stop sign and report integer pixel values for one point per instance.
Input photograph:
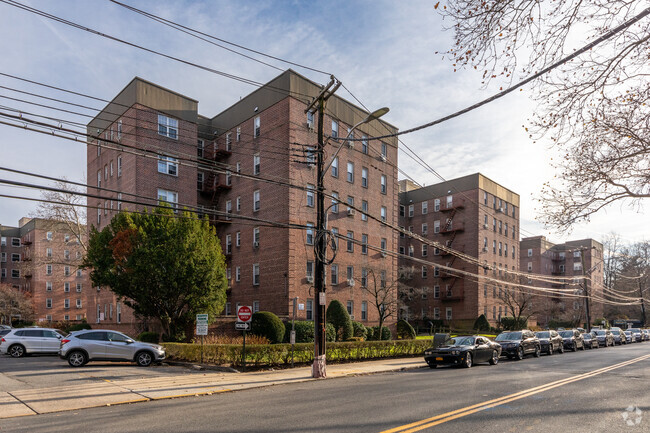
(244, 313)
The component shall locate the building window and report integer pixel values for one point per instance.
(383, 213)
(425, 228)
(66, 303)
(436, 271)
(335, 129)
(237, 273)
(530, 252)
(364, 210)
(256, 236)
(383, 246)
(311, 191)
(168, 197)
(425, 250)
(364, 310)
(3, 272)
(577, 266)
(350, 275)
(66, 287)
(48, 269)
(228, 244)
(384, 184)
(78, 303)
(449, 313)
(364, 177)
(350, 242)
(48, 303)
(238, 136)
(256, 127)
(335, 167)
(364, 244)
(310, 270)
(411, 210)
(229, 142)
(310, 234)
(79, 287)
(167, 165)
(256, 274)
(15, 273)
(256, 306)
(200, 177)
(335, 202)
(424, 272)
(167, 126)
(48, 286)
(119, 166)
(200, 147)
(350, 177)
(436, 313)
(238, 203)
(14, 257)
(309, 310)
(238, 239)
(257, 163)
(436, 226)
(334, 270)
(364, 277)
(256, 200)
(350, 307)
(530, 266)
(384, 149)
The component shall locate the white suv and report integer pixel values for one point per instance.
(19, 342)
(104, 345)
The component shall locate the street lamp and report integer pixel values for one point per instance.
(318, 368)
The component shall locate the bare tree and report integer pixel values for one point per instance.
(594, 108)
(15, 305)
(386, 295)
(519, 303)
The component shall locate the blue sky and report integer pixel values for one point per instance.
(384, 52)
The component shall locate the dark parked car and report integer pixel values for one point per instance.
(550, 341)
(589, 341)
(517, 344)
(628, 337)
(604, 337)
(573, 339)
(636, 334)
(619, 336)
(464, 350)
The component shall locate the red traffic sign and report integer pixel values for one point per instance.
(244, 313)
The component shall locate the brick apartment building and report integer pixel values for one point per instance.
(264, 137)
(42, 258)
(475, 216)
(564, 263)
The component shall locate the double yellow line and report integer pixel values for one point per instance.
(459, 413)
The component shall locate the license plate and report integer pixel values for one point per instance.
(438, 358)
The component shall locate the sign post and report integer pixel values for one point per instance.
(244, 317)
(201, 329)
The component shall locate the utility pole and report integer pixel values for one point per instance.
(584, 282)
(642, 301)
(318, 369)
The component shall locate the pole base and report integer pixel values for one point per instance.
(318, 370)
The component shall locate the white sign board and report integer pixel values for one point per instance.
(301, 307)
(201, 319)
(201, 329)
(243, 326)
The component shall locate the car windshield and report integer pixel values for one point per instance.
(544, 334)
(600, 332)
(628, 333)
(566, 334)
(460, 341)
(509, 336)
(635, 330)
(587, 336)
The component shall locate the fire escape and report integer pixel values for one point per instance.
(450, 230)
(214, 184)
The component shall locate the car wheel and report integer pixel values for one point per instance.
(77, 358)
(468, 360)
(550, 349)
(17, 351)
(538, 351)
(495, 358)
(562, 348)
(520, 353)
(144, 359)
(575, 347)
(583, 346)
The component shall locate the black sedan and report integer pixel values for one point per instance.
(550, 341)
(463, 350)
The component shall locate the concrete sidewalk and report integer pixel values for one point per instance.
(111, 392)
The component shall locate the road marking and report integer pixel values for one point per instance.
(458, 413)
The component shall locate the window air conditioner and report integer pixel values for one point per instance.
(351, 212)
(351, 283)
(310, 279)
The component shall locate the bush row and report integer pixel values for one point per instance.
(280, 354)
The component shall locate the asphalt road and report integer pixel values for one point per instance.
(590, 392)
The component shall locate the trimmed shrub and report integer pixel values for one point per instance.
(149, 337)
(370, 331)
(79, 327)
(482, 324)
(330, 332)
(512, 324)
(267, 324)
(338, 316)
(304, 331)
(358, 330)
(405, 331)
(384, 334)
(280, 354)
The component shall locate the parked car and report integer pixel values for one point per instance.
(23, 341)
(464, 350)
(619, 336)
(637, 336)
(4, 332)
(80, 347)
(573, 339)
(604, 337)
(589, 341)
(628, 337)
(5, 327)
(517, 344)
(646, 334)
(550, 341)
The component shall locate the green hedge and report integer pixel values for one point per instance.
(280, 354)
(149, 337)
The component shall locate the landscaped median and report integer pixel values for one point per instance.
(280, 354)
